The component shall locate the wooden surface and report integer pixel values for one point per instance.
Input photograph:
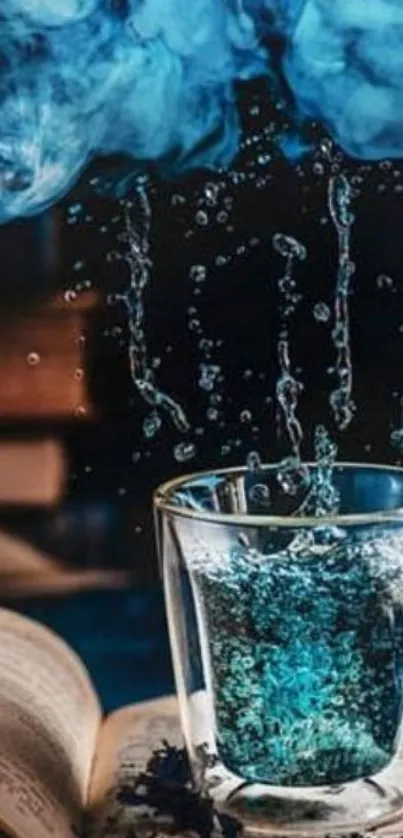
(43, 370)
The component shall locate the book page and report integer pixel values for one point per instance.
(128, 739)
(49, 721)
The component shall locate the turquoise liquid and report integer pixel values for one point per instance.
(305, 666)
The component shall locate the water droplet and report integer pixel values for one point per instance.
(318, 168)
(321, 312)
(222, 217)
(201, 218)
(208, 376)
(253, 461)
(292, 475)
(33, 359)
(396, 439)
(211, 193)
(198, 273)
(259, 493)
(245, 416)
(74, 209)
(80, 411)
(79, 374)
(384, 282)
(178, 200)
(70, 295)
(326, 148)
(289, 247)
(184, 451)
(151, 425)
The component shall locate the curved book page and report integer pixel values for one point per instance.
(49, 722)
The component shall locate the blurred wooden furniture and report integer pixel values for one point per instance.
(43, 361)
(33, 472)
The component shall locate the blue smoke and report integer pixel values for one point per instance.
(155, 80)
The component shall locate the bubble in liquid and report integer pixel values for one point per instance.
(184, 451)
(321, 312)
(33, 359)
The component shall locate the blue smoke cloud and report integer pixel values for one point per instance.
(344, 63)
(154, 79)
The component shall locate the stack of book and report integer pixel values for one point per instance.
(43, 386)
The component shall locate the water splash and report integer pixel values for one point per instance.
(323, 498)
(288, 388)
(339, 201)
(137, 214)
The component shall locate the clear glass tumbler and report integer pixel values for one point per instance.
(286, 633)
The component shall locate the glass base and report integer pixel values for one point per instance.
(270, 811)
(355, 807)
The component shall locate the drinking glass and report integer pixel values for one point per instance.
(286, 630)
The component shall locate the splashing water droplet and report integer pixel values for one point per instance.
(198, 273)
(292, 475)
(201, 218)
(396, 439)
(321, 312)
(211, 191)
(384, 282)
(139, 263)
(184, 451)
(151, 425)
(323, 498)
(70, 295)
(208, 376)
(287, 246)
(339, 200)
(253, 461)
(259, 494)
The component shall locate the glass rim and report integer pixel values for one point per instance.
(163, 493)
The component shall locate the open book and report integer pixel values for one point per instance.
(65, 772)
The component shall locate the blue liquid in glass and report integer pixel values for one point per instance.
(305, 665)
